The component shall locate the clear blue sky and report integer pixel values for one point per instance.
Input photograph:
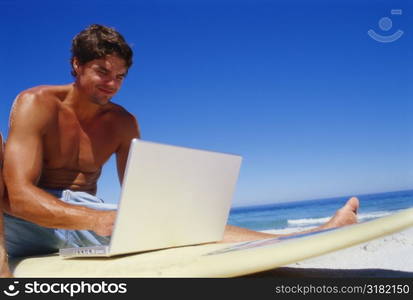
(316, 107)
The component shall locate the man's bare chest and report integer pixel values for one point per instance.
(71, 145)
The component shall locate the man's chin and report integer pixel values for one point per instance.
(101, 101)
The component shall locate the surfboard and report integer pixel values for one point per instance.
(215, 260)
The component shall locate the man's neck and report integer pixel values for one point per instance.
(83, 107)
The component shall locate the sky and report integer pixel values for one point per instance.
(316, 106)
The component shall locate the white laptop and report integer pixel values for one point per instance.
(171, 196)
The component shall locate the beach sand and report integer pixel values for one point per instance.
(387, 257)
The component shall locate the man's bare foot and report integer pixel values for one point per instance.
(346, 215)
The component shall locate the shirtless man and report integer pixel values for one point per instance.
(59, 139)
(4, 267)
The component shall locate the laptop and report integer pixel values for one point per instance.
(171, 196)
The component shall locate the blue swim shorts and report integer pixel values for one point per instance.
(24, 238)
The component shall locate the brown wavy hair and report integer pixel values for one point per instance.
(97, 41)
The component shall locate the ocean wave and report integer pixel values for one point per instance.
(287, 230)
(307, 221)
(315, 221)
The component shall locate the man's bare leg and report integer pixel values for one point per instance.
(4, 266)
(344, 216)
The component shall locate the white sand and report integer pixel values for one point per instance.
(390, 253)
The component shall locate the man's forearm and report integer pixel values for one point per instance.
(36, 205)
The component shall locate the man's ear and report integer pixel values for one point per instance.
(75, 64)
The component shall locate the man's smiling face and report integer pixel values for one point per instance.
(100, 79)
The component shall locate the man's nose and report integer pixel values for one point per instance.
(111, 83)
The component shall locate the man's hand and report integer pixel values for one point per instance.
(104, 222)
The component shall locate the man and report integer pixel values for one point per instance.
(4, 267)
(59, 139)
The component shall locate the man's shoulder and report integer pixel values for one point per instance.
(122, 120)
(42, 102)
(45, 92)
(44, 96)
(120, 114)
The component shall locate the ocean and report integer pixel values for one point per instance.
(301, 215)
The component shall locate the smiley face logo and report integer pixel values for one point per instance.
(386, 24)
(11, 291)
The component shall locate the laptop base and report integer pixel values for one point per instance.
(84, 251)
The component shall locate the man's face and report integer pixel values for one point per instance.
(100, 79)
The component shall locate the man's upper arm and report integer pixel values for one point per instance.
(130, 132)
(24, 148)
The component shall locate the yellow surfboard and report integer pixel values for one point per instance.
(215, 260)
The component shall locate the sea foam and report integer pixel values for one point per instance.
(317, 221)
